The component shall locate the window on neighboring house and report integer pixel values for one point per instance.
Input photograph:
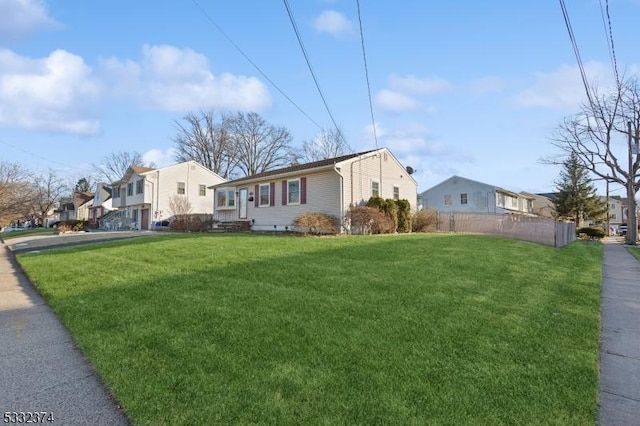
(130, 189)
(396, 193)
(293, 191)
(447, 200)
(500, 200)
(139, 186)
(264, 195)
(181, 188)
(202, 190)
(514, 202)
(463, 198)
(116, 192)
(375, 188)
(134, 215)
(225, 197)
(612, 216)
(612, 207)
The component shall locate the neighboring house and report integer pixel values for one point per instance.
(66, 210)
(82, 201)
(143, 195)
(542, 205)
(459, 194)
(101, 204)
(273, 199)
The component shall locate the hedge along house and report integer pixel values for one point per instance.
(270, 201)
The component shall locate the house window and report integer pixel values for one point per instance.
(375, 188)
(514, 202)
(130, 189)
(116, 192)
(264, 195)
(202, 190)
(139, 186)
(396, 193)
(181, 188)
(463, 198)
(447, 200)
(225, 198)
(500, 200)
(612, 216)
(134, 214)
(293, 191)
(613, 207)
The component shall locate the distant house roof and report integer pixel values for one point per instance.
(296, 168)
(141, 169)
(81, 198)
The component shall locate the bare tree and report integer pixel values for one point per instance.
(15, 192)
(604, 137)
(47, 190)
(327, 144)
(259, 146)
(113, 166)
(205, 138)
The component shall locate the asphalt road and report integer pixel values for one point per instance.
(34, 243)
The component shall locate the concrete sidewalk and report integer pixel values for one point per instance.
(41, 369)
(619, 384)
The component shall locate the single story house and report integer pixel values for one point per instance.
(273, 199)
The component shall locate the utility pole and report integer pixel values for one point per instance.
(632, 225)
(608, 210)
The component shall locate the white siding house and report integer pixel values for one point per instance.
(143, 195)
(273, 199)
(459, 194)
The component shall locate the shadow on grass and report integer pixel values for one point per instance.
(362, 330)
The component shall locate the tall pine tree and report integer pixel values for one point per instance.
(576, 197)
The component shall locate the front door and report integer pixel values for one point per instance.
(242, 203)
(145, 219)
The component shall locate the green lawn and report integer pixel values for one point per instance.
(635, 251)
(406, 329)
(27, 232)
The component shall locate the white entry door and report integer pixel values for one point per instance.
(242, 200)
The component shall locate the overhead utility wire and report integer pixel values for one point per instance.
(32, 154)
(609, 36)
(366, 72)
(253, 63)
(576, 52)
(306, 57)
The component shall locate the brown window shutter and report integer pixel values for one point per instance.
(303, 190)
(284, 192)
(256, 197)
(272, 194)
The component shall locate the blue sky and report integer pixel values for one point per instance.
(463, 87)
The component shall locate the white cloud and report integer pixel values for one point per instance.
(487, 85)
(563, 88)
(54, 93)
(21, 18)
(332, 22)
(160, 158)
(389, 100)
(180, 80)
(418, 86)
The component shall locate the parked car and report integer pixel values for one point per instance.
(15, 228)
(622, 229)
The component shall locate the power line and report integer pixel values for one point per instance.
(366, 72)
(32, 154)
(204, 12)
(576, 52)
(306, 57)
(609, 37)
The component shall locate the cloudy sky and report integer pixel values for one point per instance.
(461, 87)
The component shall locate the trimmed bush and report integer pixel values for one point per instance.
(316, 223)
(593, 233)
(191, 223)
(425, 221)
(369, 220)
(404, 216)
(72, 226)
